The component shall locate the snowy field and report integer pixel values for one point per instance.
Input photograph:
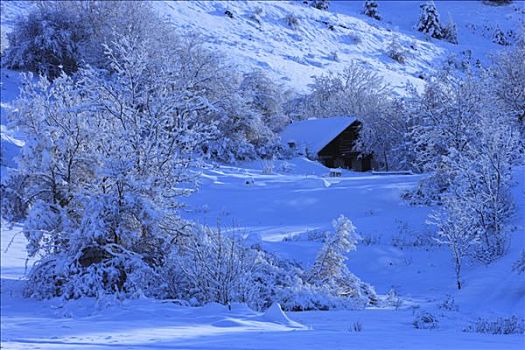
(284, 208)
(269, 208)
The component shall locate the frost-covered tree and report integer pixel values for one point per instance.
(473, 171)
(330, 270)
(443, 117)
(429, 20)
(383, 135)
(370, 9)
(354, 91)
(265, 96)
(330, 262)
(454, 231)
(509, 83)
(105, 156)
(486, 168)
(477, 205)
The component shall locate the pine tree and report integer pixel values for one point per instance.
(370, 9)
(330, 262)
(429, 20)
(330, 271)
(320, 4)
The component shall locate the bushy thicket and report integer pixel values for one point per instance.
(500, 325)
(78, 35)
(213, 265)
(354, 91)
(62, 36)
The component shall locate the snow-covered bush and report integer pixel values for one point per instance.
(267, 167)
(395, 51)
(501, 325)
(210, 266)
(393, 299)
(292, 21)
(497, 2)
(500, 38)
(425, 320)
(429, 20)
(449, 304)
(229, 13)
(370, 9)
(370, 239)
(64, 35)
(357, 327)
(47, 41)
(508, 83)
(13, 205)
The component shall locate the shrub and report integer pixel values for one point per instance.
(501, 325)
(47, 42)
(396, 52)
(393, 299)
(425, 320)
(449, 304)
(292, 21)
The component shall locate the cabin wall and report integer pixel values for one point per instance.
(339, 153)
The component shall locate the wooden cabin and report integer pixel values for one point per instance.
(330, 141)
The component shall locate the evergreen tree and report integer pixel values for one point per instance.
(370, 9)
(320, 4)
(330, 262)
(330, 270)
(429, 20)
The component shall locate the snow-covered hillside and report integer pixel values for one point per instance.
(259, 35)
(293, 42)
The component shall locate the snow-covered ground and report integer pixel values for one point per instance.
(297, 199)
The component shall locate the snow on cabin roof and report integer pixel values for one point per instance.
(314, 134)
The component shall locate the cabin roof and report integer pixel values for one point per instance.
(315, 134)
